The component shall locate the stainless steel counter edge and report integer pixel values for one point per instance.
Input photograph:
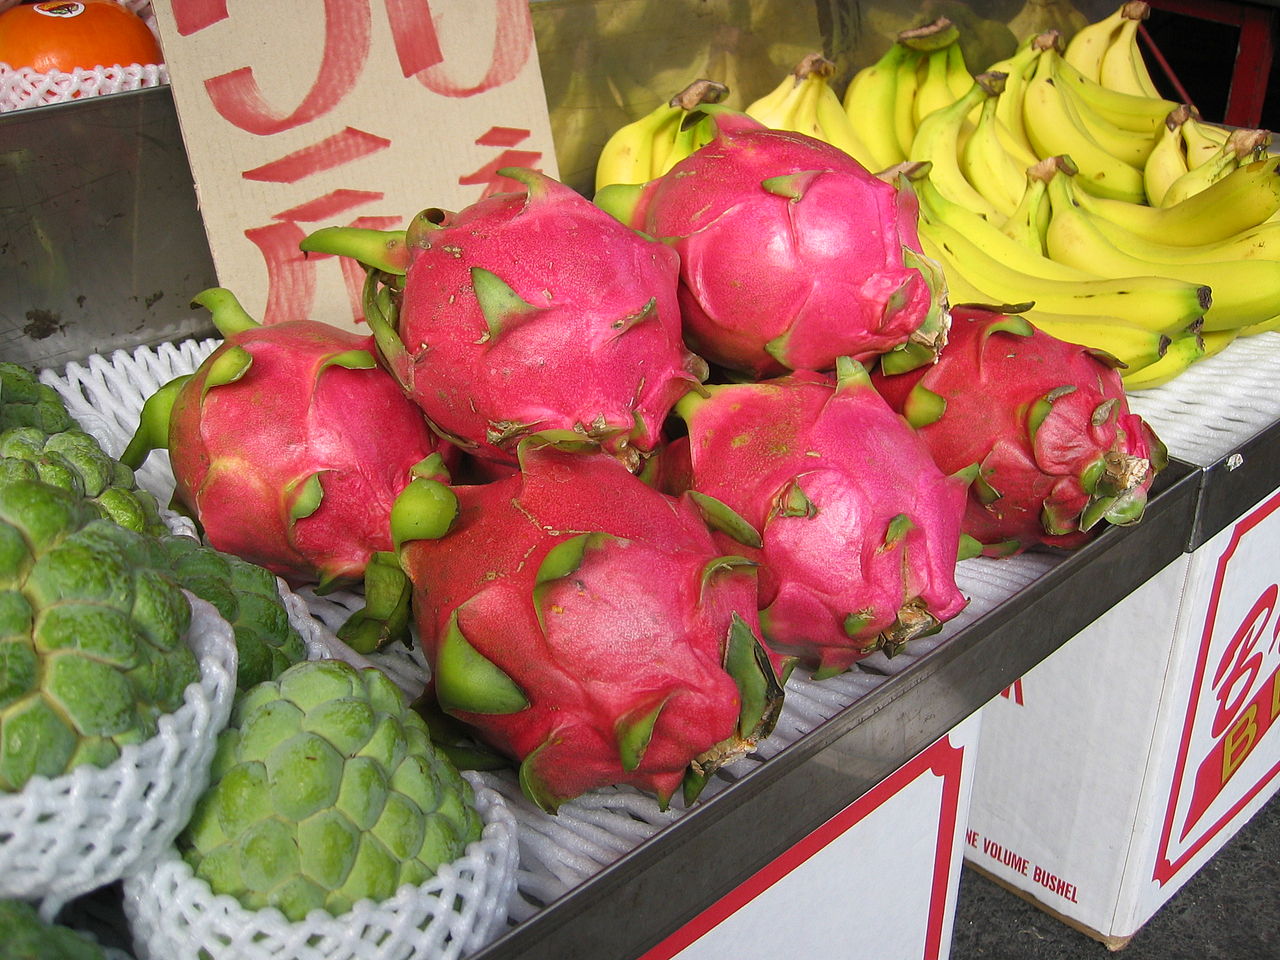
(1235, 482)
(630, 906)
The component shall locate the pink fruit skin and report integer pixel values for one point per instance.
(238, 449)
(990, 379)
(633, 626)
(820, 276)
(602, 354)
(860, 466)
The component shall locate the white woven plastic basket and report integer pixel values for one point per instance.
(61, 837)
(175, 916)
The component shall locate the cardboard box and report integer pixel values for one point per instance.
(878, 881)
(1122, 763)
(299, 115)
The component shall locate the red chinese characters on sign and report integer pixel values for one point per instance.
(1235, 697)
(238, 98)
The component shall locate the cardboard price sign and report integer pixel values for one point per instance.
(299, 114)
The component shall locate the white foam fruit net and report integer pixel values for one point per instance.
(175, 916)
(24, 87)
(64, 836)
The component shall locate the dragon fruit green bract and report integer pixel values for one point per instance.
(791, 253)
(587, 625)
(1046, 422)
(289, 445)
(524, 313)
(856, 530)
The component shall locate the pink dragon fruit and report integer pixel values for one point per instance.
(791, 253)
(856, 530)
(527, 313)
(586, 625)
(1046, 422)
(289, 445)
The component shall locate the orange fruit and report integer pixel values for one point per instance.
(65, 34)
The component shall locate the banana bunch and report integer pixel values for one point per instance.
(922, 71)
(647, 148)
(1133, 317)
(1062, 182)
(805, 103)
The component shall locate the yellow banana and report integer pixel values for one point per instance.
(1087, 47)
(647, 148)
(959, 79)
(1125, 110)
(869, 102)
(1243, 292)
(627, 156)
(1201, 140)
(1238, 146)
(1054, 130)
(1135, 347)
(1242, 200)
(989, 166)
(1155, 303)
(1168, 160)
(1266, 326)
(1028, 222)
(904, 99)
(1123, 68)
(805, 103)
(938, 141)
(1260, 243)
(1017, 69)
(1181, 353)
(937, 209)
(1218, 340)
(934, 93)
(1130, 146)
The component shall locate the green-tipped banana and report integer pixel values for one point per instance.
(1181, 354)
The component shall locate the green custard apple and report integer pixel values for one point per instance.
(24, 936)
(248, 598)
(74, 461)
(26, 402)
(325, 790)
(92, 635)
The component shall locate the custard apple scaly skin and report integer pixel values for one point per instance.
(74, 461)
(92, 635)
(26, 402)
(248, 598)
(26, 937)
(325, 790)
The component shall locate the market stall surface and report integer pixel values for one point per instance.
(1230, 910)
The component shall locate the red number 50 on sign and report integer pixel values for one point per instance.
(420, 39)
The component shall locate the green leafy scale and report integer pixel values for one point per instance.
(326, 790)
(92, 635)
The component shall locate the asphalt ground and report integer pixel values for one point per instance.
(1229, 910)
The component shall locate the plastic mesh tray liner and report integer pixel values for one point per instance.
(1218, 403)
(556, 852)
